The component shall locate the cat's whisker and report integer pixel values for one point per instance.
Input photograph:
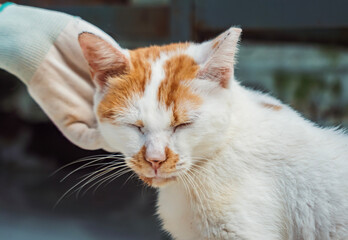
(183, 183)
(119, 175)
(84, 165)
(68, 191)
(144, 186)
(195, 184)
(102, 165)
(200, 172)
(198, 191)
(115, 176)
(187, 185)
(95, 177)
(200, 175)
(104, 179)
(101, 177)
(98, 174)
(129, 178)
(84, 182)
(187, 191)
(84, 159)
(87, 178)
(200, 169)
(103, 168)
(195, 157)
(201, 206)
(200, 158)
(203, 165)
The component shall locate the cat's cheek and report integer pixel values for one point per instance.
(133, 145)
(203, 138)
(181, 143)
(121, 139)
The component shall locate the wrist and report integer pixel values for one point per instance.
(22, 51)
(5, 5)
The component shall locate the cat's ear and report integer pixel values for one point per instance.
(217, 57)
(103, 58)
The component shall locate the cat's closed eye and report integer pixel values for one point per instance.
(138, 127)
(181, 125)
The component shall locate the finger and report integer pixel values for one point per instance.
(83, 136)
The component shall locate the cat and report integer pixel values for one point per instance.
(229, 162)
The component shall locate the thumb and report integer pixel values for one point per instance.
(80, 134)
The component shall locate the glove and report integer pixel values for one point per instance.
(41, 48)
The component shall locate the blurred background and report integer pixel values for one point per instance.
(295, 50)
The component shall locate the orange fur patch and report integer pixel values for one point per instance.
(271, 106)
(152, 53)
(173, 91)
(170, 164)
(139, 123)
(139, 160)
(146, 180)
(133, 82)
(123, 87)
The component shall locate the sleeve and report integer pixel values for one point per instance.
(41, 48)
(26, 35)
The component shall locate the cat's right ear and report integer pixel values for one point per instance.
(217, 57)
(104, 59)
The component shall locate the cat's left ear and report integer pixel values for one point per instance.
(103, 58)
(217, 57)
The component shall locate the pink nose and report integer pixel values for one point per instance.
(156, 163)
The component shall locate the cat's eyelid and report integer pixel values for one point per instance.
(183, 124)
(138, 124)
(139, 127)
(191, 120)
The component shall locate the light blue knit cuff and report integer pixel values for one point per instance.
(26, 35)
(4, 5)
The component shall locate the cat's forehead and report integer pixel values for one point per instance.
(158, 82)
(154, 53)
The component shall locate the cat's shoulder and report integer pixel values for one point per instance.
(272, 108)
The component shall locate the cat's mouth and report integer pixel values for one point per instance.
(157, 181)
(154, 177)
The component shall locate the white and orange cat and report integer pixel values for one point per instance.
(229, 162)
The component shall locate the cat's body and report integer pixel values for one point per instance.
(277, 176)
(231, 163)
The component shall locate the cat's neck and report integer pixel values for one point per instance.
(256, 120)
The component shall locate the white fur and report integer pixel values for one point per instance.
(277, 176)
(246, 171)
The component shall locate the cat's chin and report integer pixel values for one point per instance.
(157, 181)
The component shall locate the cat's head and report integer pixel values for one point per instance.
(166, 108)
